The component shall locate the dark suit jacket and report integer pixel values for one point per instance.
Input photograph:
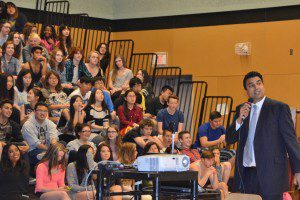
(274, 139)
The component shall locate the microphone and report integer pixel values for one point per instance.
(250, 100)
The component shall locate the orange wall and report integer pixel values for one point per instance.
(208, 54)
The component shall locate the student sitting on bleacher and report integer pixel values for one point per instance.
(54, 95)
(102, 48)
(135, 84)
(207, 174)
(82, 132)
(92, 65)
(84, 90)
(212, 134)
(65, 42)
(34, 96)
(97, 114)
(4, 31)
(128, 154)
(24, 84)
(104, 154)
(50, 174)
(158, 103)
(39, 132)
(10, 131)
(70, 118)
(129, 113)
(77, 174)
(48, 37)
(119, 77)
(151, 148)
(147, 89)
(223, 168)
(114, 141)
(9, 63)
(142, 135)
(170, 118)
(14, 174)
(33, 41)
(15, 17)
(185, 140)
(166, 140)
(57, 63)
(27, 30)
(99, 84)
(37, 65)
(75, 67)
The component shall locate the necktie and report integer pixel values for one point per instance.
(249, 157)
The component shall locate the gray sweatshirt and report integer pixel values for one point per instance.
(35, 133)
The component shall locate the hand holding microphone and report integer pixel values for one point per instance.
(245, 110)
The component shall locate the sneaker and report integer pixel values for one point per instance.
(32, 181)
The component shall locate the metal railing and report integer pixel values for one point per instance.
(120, 47)
(166, 76)
(146, 61)
(191, 94)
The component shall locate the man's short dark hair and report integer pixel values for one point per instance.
(165, 131)
(40, 104)
(181, 133)
(5, 101)
(33, 49)
(85, 79)
(166, 87)
(134, 81)
(97, 78)
(215, 115)
(207, 154)
(252, 75)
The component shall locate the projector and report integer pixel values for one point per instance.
(163, 162)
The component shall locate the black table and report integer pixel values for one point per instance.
(156, 177)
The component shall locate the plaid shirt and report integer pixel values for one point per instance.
(192, 153)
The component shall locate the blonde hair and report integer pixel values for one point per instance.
(34, 35)
(88, 58)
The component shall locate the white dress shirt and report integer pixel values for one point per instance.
(259, 106)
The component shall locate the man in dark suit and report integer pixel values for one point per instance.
(266, 137)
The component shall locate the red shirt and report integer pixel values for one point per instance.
(192, 153)
(132, 116)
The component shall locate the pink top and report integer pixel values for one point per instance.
(43, 179)
(49, 46)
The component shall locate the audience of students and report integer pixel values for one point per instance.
(55, 108)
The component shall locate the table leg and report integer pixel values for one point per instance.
(194, 189)
(137, 194)
(156, 189)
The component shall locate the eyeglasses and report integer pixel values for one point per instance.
(111, 131)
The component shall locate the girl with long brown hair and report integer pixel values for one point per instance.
(65, 40)
(120, 76)
(58, 63)
(50, 174)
